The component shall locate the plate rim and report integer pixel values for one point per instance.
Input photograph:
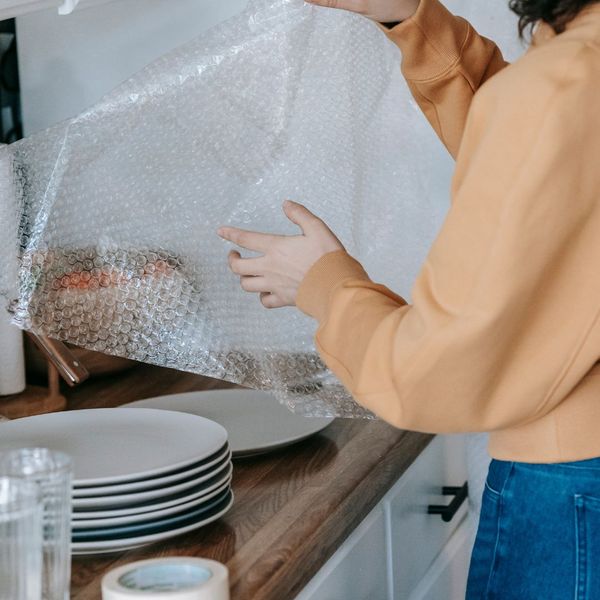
(81, 548)
(194, 511)
(85, 524)
(149, 484)
(226, 478)
(141, 496)
(126, 477)
(243, 452)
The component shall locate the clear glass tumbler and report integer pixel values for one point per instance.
(20, 540)
(52, 471)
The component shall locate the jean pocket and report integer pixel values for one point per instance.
(587, 548)
(498, 474)
(491, 492)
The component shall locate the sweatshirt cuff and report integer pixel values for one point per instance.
(323, 278)
(431, 40)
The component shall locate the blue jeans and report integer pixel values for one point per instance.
(539, 533)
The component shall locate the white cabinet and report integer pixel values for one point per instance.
(399, 551)
(358, 569)
(416, 537)
(446, 577)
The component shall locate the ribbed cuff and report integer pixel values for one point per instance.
(430, 41)
(329, 272)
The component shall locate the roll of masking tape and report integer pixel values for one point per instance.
(178, 578)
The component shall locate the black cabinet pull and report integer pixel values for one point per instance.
(447, 512)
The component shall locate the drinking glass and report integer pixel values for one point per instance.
(52, 472)
(20, 540)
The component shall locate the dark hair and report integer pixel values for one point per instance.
(556, 13)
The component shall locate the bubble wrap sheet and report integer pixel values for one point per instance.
(113, 213)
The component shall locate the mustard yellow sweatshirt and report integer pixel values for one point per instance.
(503, 334)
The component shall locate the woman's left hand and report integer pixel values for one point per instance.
(285, 260)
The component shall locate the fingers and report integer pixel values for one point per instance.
(326, 3)
(249, 280)
(262, 242)
(251, 240)
(259, 285)
(343, 4)
(253, 284)
(269, 300)
(310, 223)
(301, 216)
(245, 266)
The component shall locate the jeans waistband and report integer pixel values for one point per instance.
(499, 470)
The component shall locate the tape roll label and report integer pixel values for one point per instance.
(169, 577)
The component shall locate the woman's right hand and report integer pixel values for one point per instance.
(383, 11)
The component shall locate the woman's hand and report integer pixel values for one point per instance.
(383, 11)
(285, 260)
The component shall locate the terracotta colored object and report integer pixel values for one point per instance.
(81, 297)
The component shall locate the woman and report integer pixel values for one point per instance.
(503, 334)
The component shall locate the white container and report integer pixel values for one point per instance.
(12, 363)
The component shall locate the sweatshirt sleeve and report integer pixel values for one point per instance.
(505, 301)
(444, 61)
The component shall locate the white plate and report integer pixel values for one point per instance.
(82, 524)
(116, 445)
(102, 533)
(105, 547)
(153, 483)
(117, 500)
(159, 504)
(255, 421)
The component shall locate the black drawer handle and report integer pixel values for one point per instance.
(460, 495)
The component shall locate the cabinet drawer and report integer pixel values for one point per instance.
(447, 576)
(358, 570)
(416, 537)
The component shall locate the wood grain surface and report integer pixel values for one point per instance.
(293, 508)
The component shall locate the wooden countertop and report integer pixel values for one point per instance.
(293, 508)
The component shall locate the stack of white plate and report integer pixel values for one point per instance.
(140, 475)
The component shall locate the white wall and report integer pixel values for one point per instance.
(493, 19)
(67, 63)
